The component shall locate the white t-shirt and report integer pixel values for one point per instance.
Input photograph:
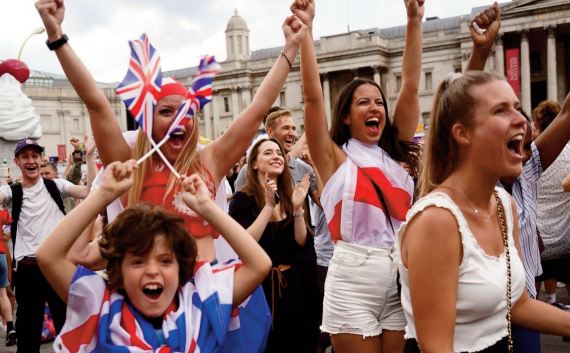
(38, 217)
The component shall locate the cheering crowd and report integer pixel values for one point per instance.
(351, 235)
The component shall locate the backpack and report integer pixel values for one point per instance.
(17, 198)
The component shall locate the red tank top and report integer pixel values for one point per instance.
(154, 189)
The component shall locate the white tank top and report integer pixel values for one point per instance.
(481, 306)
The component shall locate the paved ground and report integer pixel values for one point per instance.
(550, 344)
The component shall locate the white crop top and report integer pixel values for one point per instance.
(481, 306)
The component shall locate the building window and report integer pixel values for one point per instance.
(226, 104)
(426, 120)
(240, 44)
(282, 102)
(75, 127)
(427, 81)
(39, 82)
(398, 83)
(458, 70)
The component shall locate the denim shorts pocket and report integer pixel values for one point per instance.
(349, 259)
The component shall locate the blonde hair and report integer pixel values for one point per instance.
(187, 162)
(272, 117)
(453, 103)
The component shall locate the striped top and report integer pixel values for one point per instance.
(525, 193)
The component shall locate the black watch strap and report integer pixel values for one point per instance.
(56, 44)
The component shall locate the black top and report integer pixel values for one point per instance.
(278, 238)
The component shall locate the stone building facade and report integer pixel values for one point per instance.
(533, 49)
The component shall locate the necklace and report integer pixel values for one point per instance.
(475, 209)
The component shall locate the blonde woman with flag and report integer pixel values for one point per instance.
(154, 182)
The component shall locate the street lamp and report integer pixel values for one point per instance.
(36, 31)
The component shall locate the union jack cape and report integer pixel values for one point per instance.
(366, 200)
(101, 320)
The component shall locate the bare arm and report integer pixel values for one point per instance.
(552, 140)
(407, 110)
(103, 121)
(298, 199)
(490, 21)
(327, 156)
(431, 250)
(52, 254)
(566, 183)
(535, 314)
(85, 251)
(255, 262)
(225, 151)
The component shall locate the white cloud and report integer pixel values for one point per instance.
(182, 30)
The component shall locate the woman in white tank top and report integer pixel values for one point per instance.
(462, 277)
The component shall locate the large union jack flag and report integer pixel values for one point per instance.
(199, 93)
(142, 82)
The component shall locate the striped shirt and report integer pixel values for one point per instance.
(524, 191)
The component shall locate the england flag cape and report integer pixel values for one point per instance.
(366, 200)
(101, 320)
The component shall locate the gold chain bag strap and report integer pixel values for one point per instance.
(503, 227)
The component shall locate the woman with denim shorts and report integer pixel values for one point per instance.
(367, 191)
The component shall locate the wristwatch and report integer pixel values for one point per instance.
(56, 44)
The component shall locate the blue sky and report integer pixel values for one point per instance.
(183, 30)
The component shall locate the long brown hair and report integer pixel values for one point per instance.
(401, 151)
(284, 181)
(453, 103)
(187, 162)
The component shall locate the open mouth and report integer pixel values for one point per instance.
(152, 291)
(31, 168)
(515, 145)
(373, 125)
(177, 139)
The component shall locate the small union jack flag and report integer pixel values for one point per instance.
(199, 93)
(142, 82)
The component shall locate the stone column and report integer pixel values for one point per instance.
(208, 120)
(552, 84)
(217, 103)
(327, 97)
(235, 103)
(499, 56)
(377, 78)
(525, 73)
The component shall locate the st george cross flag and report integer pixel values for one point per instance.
(200, 92)
(142, 82)
(101, 320)
(366, 200)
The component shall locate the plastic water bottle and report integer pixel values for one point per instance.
(4, 169)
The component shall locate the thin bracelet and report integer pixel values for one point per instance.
(298, 214)
(286, 58)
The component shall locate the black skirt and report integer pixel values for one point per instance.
(499, 347)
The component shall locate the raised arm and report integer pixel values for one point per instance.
(431, 250)
(81, 191)
(327, 156)
(552, 140)
(85, 251)
(104, 123)
(255, 262)
(52, 254)
(225, 151)
(489, 22)
(407, 110)
(298, 200)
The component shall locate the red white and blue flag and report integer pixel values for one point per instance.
(366, 200)
(100, 320)
(142, 82)
(199, 94)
